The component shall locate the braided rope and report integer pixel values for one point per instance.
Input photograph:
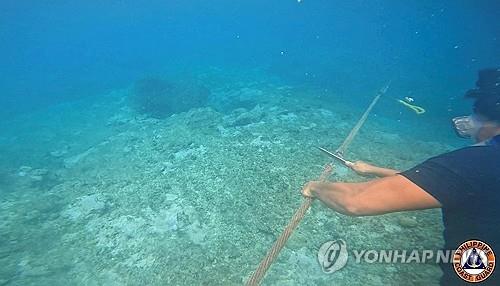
(281, 241)
(274, 251)
(355, 130)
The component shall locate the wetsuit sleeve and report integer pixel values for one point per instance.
(439, 179)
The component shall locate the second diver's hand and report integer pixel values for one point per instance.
(365, 169)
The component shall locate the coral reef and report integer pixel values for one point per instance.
(196, 198)
(160, 98)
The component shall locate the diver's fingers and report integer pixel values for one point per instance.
(306, 190)
(349, 164)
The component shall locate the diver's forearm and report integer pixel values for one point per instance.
(337, 196)
(383, 172)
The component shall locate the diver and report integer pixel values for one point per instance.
(464, 183)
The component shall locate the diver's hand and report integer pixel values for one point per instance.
(365, 169)
(310, 189)
(307, 190)
(362, 168)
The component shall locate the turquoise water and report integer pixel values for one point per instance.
(166, 143)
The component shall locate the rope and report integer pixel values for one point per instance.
(274, 251)
(281, 241)
(361, 121)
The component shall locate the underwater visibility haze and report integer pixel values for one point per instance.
(166, 142)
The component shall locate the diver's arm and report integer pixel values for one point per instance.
(383, 172)
(379, 196)
(366, 169)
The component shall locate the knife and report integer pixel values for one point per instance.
(336, 156)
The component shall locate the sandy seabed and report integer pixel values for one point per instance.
(93, 193)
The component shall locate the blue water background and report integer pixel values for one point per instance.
(58, 51)
(93, 190)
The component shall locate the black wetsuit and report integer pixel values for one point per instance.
(467, 184)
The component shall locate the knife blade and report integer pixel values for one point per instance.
(336, 156)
